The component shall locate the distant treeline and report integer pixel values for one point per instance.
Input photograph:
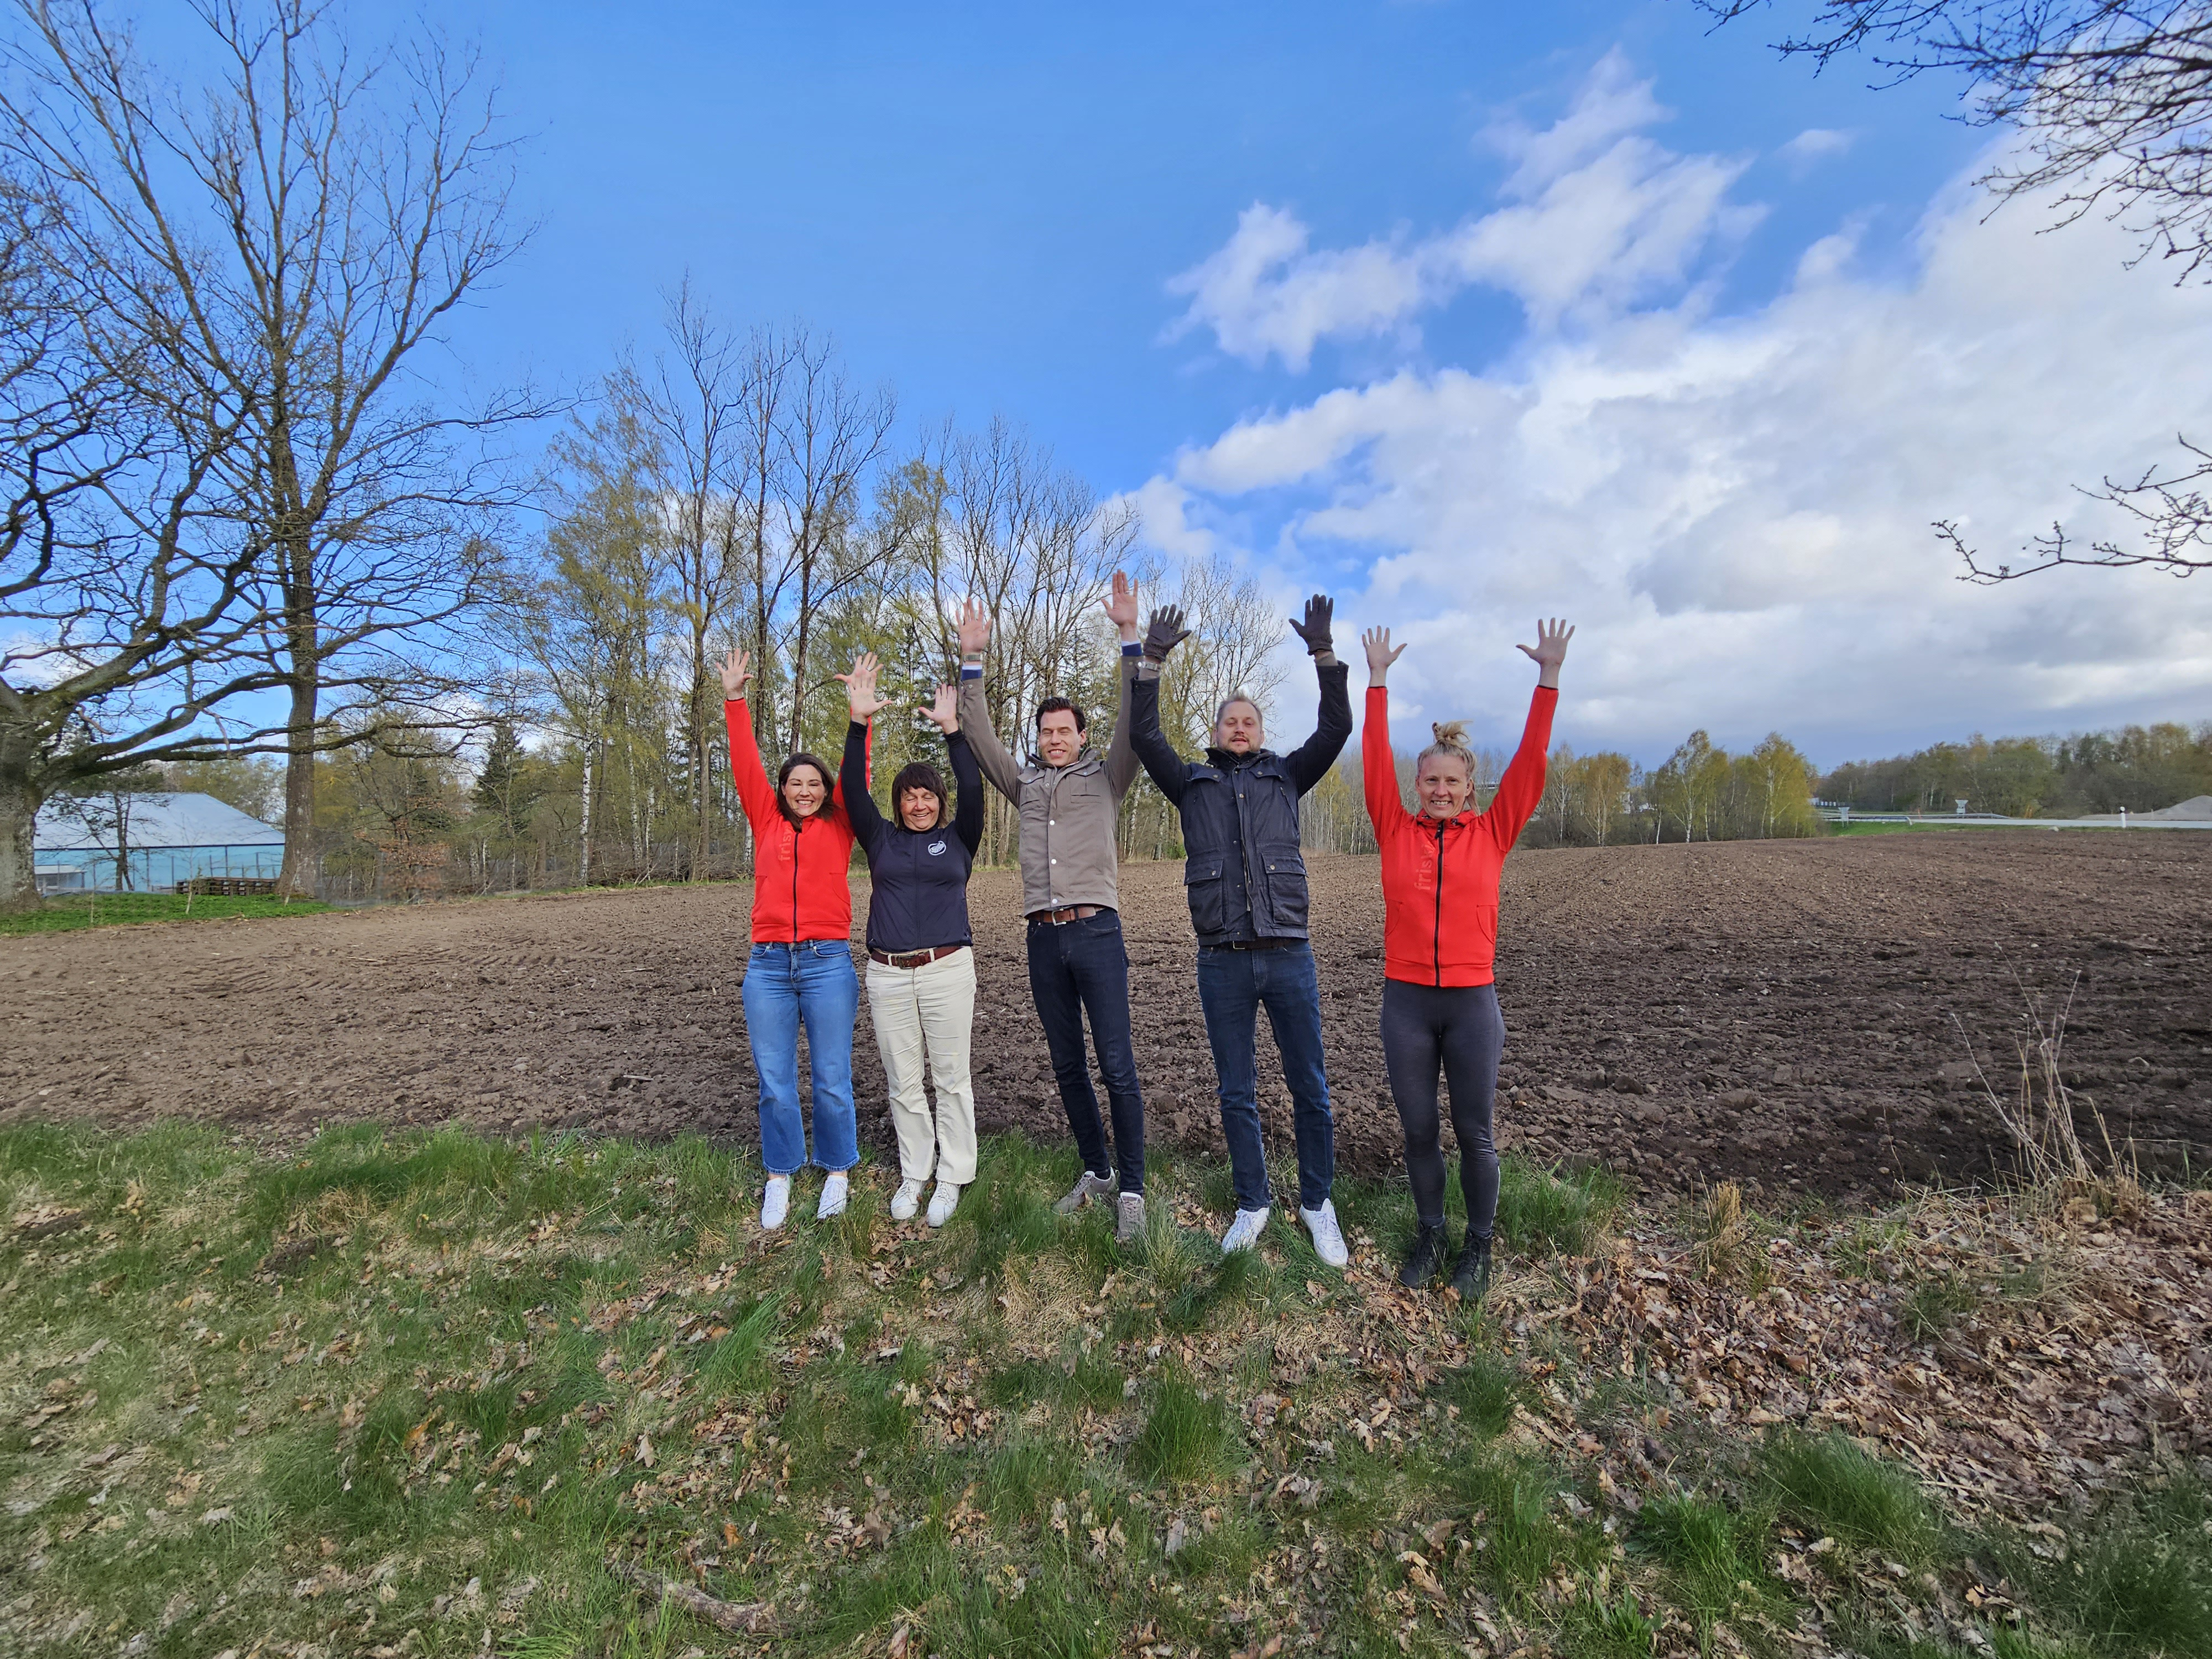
(392, 824)
(1700, 792)
(2141, 767)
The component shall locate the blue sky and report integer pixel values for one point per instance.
(1476, 311)
(985, 203)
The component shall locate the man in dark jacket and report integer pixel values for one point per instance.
(1246, 881)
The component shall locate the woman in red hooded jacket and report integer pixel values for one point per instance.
(800, 971)
(1440, 870)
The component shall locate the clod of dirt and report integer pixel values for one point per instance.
(46, 1221)
(291, 1253)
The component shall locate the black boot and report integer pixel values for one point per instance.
(1471, 1273)
(1425, 1257)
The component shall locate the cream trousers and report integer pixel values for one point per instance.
(932, 1006)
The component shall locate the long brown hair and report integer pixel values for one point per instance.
(783, 775)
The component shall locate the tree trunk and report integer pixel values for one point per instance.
(584, 834)
(121, 803)
(294, 878)
(20, 801)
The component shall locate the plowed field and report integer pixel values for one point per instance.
(1791, 1013)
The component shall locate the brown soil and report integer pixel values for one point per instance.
(1779, 1012)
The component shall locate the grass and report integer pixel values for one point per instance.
(384, 1393)
(62, 915)
(1832, 1483)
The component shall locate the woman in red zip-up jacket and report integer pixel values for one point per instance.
(800, 971)
(1440, 870)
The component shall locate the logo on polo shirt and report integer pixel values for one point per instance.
(936, 849)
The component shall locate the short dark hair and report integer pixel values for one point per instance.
(792, 763)
(918, 774)
(1053, 705)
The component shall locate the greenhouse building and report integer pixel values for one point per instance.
(166, 840)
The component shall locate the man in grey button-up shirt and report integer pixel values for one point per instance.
(1069, 798)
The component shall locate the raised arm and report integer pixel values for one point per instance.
(1120, 754)
(755, 792)
(967, 777)
(860, 808)
(862, 705)
(1521, 789)
(1169, 770)
(1378, 766)
(968, 803)
(974, 715)
(1309, 762)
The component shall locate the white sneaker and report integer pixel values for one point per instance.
(942, 1202)
(907, 1200)
(1244, 1232)
(776, 1203)
(836, 1193)
(1328, 1236)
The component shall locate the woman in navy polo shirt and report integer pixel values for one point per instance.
(922, 972)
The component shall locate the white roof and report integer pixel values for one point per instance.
(156, 821)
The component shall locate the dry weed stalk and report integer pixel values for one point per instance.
(2039, 1120)
(1724, 1227)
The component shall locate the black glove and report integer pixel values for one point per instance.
(1165, 632)
(1313, 630)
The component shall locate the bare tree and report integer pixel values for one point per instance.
(589, 625)
(1036, 546)
(689, 406)
(287, 240)
(828, 441)
(131, 621)
(2113, 97)
(2170, 507)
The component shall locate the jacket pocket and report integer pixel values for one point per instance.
(1286, 889)
(1202, 882)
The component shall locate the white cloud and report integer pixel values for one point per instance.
(1599, 218)
(1814, 144)
(1737, 509)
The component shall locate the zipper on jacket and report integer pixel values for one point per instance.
(795, 829)
(1437, 936)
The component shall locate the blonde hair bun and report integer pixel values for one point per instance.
(1450, 734)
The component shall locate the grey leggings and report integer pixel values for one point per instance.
(1458, 1031)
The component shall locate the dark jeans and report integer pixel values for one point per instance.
(1233, 985)
(1082, 967)
(1456, 1030)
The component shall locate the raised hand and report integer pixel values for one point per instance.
(1122, 606)
(1380, 656)
(1320, 609)
(1550, 649)
(944, 713)
(860, 698)
(1165, 632)
(736, 670)
(974, 627)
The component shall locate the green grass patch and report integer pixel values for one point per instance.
(1183, 1435)
(1830, 1482)
(63, 916)
(388, 1390)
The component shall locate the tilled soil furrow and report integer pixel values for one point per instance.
(1786, 1013)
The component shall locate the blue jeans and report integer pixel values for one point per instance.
(812, 983)
(1233, 985)
(1077, 968)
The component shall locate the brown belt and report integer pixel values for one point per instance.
(914, 958)
(1072, 913)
